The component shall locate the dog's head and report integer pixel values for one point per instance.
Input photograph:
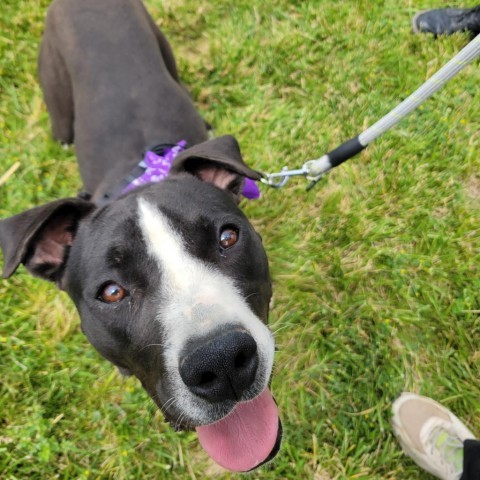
(171, 282)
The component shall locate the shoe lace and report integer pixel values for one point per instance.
(447, 448)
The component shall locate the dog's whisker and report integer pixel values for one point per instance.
(279, 329)
(179, 420)
(151, 345)
(253, 294)
(152, 406)
(170, 402)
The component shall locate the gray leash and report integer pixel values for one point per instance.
(314, 170)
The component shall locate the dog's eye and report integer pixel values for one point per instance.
(228, 237)
(112, 293)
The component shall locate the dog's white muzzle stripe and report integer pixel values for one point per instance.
(196, 300)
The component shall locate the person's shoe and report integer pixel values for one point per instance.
(430, 434)
(445, 21)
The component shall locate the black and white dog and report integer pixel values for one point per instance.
(170, 279)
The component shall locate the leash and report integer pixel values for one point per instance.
(314, 170)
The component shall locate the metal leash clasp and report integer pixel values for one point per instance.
(280, 179)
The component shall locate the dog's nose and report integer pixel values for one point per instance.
(222, 368)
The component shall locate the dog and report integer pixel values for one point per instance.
(170, 279)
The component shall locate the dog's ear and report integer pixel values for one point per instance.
(218, 161)
(41, 237)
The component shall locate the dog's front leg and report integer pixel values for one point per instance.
(56, 86)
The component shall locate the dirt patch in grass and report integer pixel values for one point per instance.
(473, 187)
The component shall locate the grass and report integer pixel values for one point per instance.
(376, 270)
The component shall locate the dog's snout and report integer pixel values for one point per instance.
(221, 368)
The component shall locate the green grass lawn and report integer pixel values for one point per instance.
(376, 270)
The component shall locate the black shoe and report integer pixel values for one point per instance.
(445, 21)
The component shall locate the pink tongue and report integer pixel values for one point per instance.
(245, 437)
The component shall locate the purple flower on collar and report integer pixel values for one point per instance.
(157, 167)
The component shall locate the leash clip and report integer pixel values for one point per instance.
(280, 179)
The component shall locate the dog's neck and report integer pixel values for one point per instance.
(155, 167)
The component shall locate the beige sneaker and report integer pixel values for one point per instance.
(430, 434)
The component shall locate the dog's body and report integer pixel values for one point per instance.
(171, 280)
(111, 85)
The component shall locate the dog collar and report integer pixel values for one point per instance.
(155, 167)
